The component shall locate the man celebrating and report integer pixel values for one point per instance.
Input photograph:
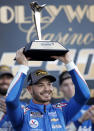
(40, 115)
(6, 77)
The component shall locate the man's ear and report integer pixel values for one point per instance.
(61, 89)
(29, 88)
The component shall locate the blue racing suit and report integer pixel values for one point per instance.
(49, 117)
(5, 124)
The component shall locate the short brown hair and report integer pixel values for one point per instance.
(63, 76)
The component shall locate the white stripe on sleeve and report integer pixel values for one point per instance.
(23, 69)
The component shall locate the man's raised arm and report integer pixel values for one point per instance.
(14, 109)
(82, 93)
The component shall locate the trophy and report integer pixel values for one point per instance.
(42, 50)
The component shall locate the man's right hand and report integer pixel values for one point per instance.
(89, 114)
(92, 113)
(20, 57)
(85, 117)
(2, 105)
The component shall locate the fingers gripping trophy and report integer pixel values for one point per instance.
(42, 50)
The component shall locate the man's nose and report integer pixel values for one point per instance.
(47, 88)
(5, 80)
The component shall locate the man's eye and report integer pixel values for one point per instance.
(40, 85)
(50, 84)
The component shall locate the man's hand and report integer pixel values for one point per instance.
(91, 110)
(2, 105)
(89, 114)
(65, 59)
(20, 57)
(85, 117)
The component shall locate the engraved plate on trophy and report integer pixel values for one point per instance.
(42, 50)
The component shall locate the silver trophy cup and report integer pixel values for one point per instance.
(42, 50)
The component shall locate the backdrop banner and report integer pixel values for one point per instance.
(69, 22)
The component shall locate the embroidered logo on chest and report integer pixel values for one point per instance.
(36, 114)
(33, 123)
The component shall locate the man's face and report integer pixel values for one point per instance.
(67, 87)
(42, 91)
(5, 81)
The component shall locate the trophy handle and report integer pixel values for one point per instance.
(37, 9)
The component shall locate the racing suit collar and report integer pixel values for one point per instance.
(64, 100)
(40, 107)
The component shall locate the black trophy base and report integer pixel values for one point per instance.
(42, 54)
